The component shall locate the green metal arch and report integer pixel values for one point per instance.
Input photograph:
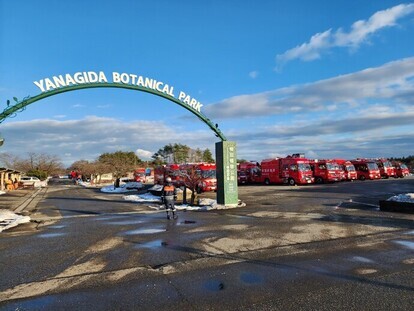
(10, 110)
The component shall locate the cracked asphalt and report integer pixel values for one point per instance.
(324, 247)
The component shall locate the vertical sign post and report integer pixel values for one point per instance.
(226, 170)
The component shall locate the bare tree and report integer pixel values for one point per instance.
(42, 162)
(120, 163)
(192, 179)
(9, 160)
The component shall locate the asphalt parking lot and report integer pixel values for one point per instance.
(325, 247)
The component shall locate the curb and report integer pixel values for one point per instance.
(28, 201)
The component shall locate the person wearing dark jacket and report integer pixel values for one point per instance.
(168, 196)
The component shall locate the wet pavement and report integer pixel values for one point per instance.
(325, 247)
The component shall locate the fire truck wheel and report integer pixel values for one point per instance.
(319, 180)
(362, 177)
(267, 181)
(291, 182)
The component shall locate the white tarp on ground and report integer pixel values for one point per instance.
(8, 219)
(407, 197)
(156, 188)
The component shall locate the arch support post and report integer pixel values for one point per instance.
(226, 170)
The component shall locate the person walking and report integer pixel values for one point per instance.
(168, 196)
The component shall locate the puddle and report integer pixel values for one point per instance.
(251, 278)
(410, 232)
(125, 222)
(50, 235)
(408, 244)
(104, 218)
(40, 303)
(361, 259)
(57, 227)
(152, 244)
(144, 231)
(214, 285)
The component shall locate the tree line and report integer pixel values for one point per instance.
(118, 163)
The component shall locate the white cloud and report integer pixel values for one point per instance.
(361, 30)
(307, 51)
(89, 137)
(392, 83)
(359, 33)
(144, 154)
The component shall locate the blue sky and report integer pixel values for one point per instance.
(327, 78)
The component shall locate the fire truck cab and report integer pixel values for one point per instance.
(386, 168)
(349, 169)
(248, 172)
(325, 171)
(140, 175)
(206, 174)
(401, 170)
(366, 169)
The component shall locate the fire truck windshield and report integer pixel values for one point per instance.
(303, 167)
(208, 173)
(350, 168)
(372, 166)
(330, 166)
(387, 164)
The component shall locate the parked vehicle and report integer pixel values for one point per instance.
(140, 175)
(249, 172)
(349, 169)
(207, 171)
(294, 169)
(366, 169)
(386, 168)
(339, 171)
(401, 170)
(26, 181)
(170, 170)
(325, 171)
(177, 172)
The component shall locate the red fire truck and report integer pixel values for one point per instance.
(349, 169)
(325, 171)
(170, 170)
(207, 172)
(140, 175)
(177, 173)
(386, 168)
(248, 172)
(401, 170)
(294, 169)
(366, 169)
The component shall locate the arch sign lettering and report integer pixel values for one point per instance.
(226, 166)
